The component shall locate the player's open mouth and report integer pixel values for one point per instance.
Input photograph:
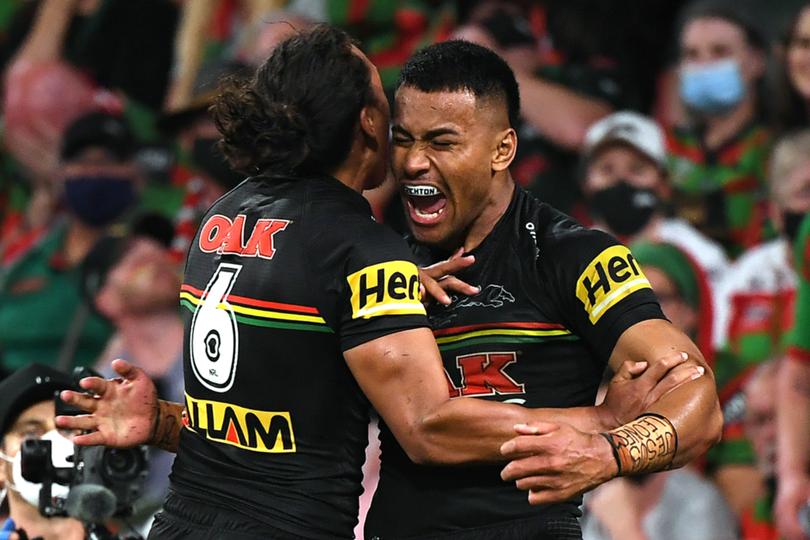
(426, 203)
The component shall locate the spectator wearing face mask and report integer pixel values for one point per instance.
(626, 185)
(42, 317)
(755, 311)
(718, 159)
(27, 411)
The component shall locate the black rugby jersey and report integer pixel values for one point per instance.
(555, 297)
(283, 276)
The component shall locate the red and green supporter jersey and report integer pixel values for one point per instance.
(722, 192)
(757, 523)
(798, 341)
(391, 32)
(755, 312)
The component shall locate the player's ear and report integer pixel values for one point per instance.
(370, 116)
(505, 149)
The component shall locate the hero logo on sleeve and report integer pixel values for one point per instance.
(611, 276)
(389, 288)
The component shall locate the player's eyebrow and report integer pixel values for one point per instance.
(430, 134)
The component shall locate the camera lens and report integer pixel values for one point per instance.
(36, 460)
(122, 465)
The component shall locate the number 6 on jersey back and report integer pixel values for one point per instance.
(214, 341)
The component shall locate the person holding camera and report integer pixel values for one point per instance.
(27, 411)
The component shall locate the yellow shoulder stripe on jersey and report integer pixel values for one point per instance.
(258, 431)
(611, 277)
(389, 288)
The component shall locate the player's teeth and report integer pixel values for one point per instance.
(421, 191)
(432, 215)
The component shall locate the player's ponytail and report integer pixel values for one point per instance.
(298, 114)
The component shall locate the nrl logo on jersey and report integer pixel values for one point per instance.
(612, 276)
(220, 234)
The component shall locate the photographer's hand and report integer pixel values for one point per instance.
(124, 412)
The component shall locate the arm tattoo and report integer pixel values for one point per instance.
(167, 426)
(647, 444)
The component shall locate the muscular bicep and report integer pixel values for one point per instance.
(650, 341)
(402, 375)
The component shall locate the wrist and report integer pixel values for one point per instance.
(647, 444)
(607, 455)
(605, 419)
(156, 423)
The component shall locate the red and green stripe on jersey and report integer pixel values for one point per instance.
(263, 313)
(735, 175)
(798, 341)
(459, 337)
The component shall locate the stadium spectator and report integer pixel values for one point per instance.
(42, 316)
(27, 411)
(757, 521)
(793, 404)
(121, 45)
(134, 283)
(207, 29)
(754, 312)
(626, 184)
(792, 105)
(672, 505)
(717, 159)
(682, 289)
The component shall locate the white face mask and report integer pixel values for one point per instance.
(61, 453)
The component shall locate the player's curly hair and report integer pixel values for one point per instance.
(298, 113)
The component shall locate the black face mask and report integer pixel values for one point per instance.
(207, 157)
(792, 222)
(626, 209)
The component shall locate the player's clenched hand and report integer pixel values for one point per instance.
(636, 386)
(438, 279)
(122, 411)
(555, 462)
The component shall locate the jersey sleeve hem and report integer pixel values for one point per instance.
(382, 328)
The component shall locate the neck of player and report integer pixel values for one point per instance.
(503, 188)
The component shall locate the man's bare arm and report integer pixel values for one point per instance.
(675, 428)
(402, 375)
(692, 408)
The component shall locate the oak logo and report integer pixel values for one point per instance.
(222, 235)
(610, 277)
(258, 431)
(484, 375)
(389, 288)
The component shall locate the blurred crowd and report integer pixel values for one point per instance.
(681, 127)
